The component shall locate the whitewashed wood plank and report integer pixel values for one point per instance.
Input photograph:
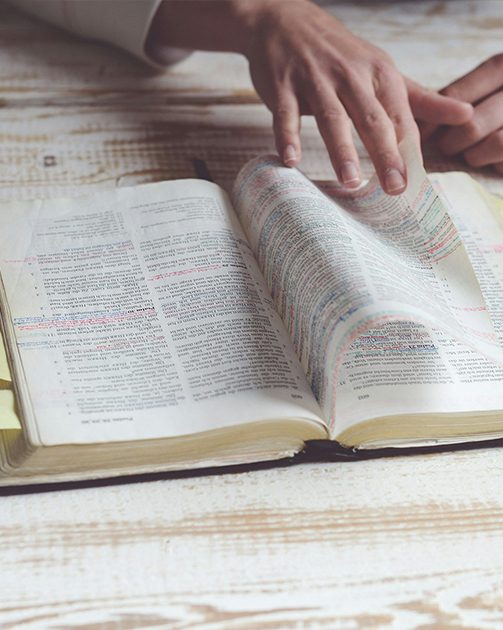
(71, 150)
(393, 543)
(432, 41)
(57, 151)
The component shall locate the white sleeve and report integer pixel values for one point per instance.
(125, 23)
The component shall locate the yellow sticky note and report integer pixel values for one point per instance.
(496, 206)
(4, 366)
(8, 415)
(493, 201)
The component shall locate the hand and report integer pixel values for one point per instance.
(303, 61)
(480, 140)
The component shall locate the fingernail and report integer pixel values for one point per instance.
(394, 181)
(349, 174)
(290, 155)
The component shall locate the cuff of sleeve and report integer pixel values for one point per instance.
(166, 56)
(125, 23)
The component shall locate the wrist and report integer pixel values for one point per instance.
(216, 25)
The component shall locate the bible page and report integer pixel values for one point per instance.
(339, 265)
(140, 313)
(409, 368)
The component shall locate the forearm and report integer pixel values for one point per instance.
(213, 25)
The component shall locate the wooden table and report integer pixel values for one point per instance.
(412, 542)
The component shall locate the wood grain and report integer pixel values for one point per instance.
(53, 151)
(86, 148)
(407, 543)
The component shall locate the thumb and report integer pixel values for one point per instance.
(433, 107)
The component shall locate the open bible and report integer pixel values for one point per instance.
(166, 327)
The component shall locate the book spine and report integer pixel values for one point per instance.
(328, 451)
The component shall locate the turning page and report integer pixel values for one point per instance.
(140, 313)
(411, 368)
(341, 265)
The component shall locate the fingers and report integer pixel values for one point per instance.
(426, 130)
(377, 106)
(382, 117)
(478, 83)
(381, 114)
(370, 94)
(479, 138)
(433, 107)
(382, 123)
(286, 125)
(487, 118)
(392, 93)
(489, 151)
(378, 135)
(335, 129)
